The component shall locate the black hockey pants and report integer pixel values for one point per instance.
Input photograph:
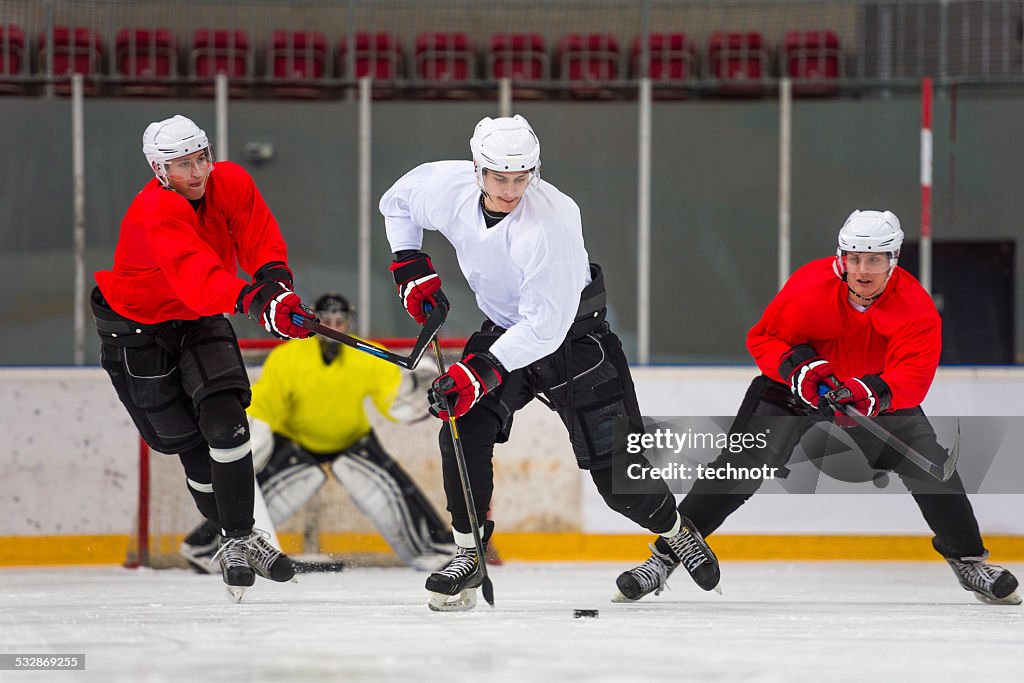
(186, 389)
(945, 506)
(588, 383)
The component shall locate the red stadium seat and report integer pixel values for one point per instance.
(445, 57)
(378, 55)
(294, 60)
(13, 63)
(75, 50)
(671, 57)
(147, 60)
(518, 56)
(592, 58)
(220, 51)
(738, 61)
(813, 60)
(217, 51)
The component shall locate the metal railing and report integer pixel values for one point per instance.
(567, 48)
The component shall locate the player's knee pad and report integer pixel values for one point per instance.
(223, 422)
(385, 493)
(289, 479)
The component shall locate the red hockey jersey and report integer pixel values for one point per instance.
(899, 337)
(175, 263)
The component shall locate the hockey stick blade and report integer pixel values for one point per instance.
(430, 329)
(942, 473)
(486, 587)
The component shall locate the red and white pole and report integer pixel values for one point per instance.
(926, 184)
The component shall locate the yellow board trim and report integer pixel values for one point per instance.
(532, 547)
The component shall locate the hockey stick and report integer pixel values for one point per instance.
(487, 588)
(941, 472)
(430, 329)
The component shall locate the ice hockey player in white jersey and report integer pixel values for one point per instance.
(519, 244)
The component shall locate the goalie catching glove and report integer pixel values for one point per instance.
(272, 304)
(869, 395)
(418, 283)
(464, 385)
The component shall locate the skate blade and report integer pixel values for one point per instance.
(236, 593)
(1011, 599)
(718, 589)
(619, 597)
(462, 602)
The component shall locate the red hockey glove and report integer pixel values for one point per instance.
(806, 373)
(869, 395)
(418, 283)
(273, 305)
(464, 384)
(275, 270)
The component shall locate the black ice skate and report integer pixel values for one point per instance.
(990, 583)
(453, 587)
(268, 561)
(200, 546)
(234, 566)
(687, 548)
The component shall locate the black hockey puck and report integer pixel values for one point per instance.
(582, 613)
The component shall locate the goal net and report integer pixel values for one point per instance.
(329, 527)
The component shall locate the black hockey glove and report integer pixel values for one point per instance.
(278, 271)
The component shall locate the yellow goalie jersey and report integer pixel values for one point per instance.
(321, 406)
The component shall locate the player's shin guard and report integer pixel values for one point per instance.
(233, 486)
(385, 493)
(453, 587)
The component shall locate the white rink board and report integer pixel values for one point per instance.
(69, 457)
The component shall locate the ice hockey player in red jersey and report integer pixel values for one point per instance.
(862, 331)
(170, 352)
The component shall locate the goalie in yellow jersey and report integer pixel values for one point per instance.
(307, 410)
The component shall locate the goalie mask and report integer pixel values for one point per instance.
(335, 312)
(505, 145)
(174, 139)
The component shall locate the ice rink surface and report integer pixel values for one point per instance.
(799, 622)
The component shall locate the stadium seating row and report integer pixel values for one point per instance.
(147, 59)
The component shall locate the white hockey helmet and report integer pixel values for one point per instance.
(872, 231)
(505, 145)
(169, 139)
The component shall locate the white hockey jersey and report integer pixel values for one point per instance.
(527, 271)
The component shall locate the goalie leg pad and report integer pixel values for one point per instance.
(290, 478)
(385, 493)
